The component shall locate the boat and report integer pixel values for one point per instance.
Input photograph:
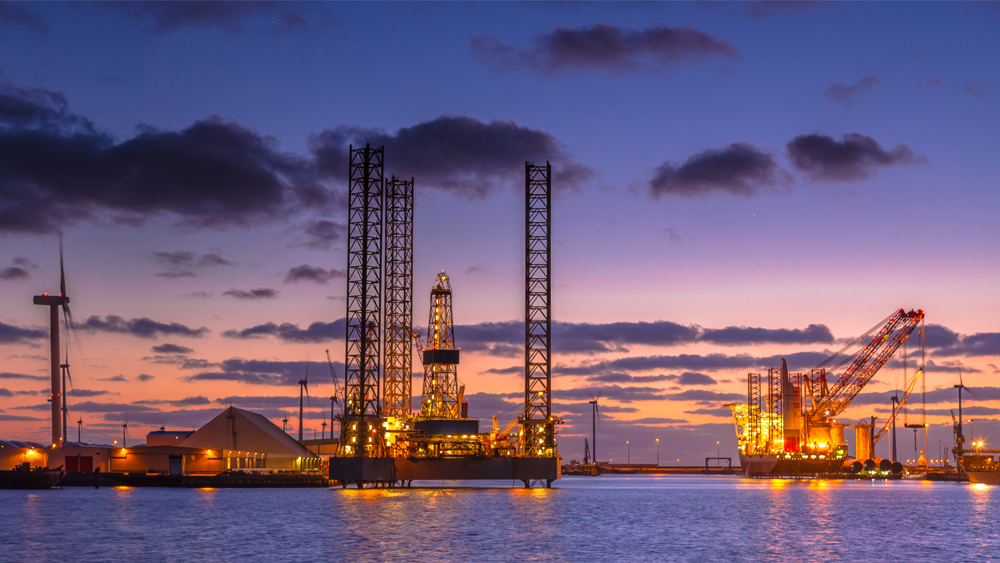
(26, 478)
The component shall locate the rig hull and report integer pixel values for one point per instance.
(985, 477)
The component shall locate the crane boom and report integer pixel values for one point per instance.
(898, 407)
(867, 362)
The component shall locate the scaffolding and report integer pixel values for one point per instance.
(396, 404)
(361, 434)
(538, 430)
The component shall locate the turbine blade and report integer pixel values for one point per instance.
(62, 272)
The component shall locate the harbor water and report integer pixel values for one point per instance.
(607, 518)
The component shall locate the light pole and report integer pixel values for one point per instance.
(628, 449)
(717, 454)
(657, 452)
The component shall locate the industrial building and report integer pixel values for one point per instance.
(235, 439)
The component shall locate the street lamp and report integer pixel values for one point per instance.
(717, 450)
(628, 449)
(657, 452)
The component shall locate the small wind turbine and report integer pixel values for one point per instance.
(124, 431)
(303, 391)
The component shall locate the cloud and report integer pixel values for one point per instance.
(937, 336)
(257, 402)
(88, 393)
(716, 411)
(977, 88)
(253, 294)
(168, 348)
(145, 377)
(857, 157)
(979, 344)
(845, 93)
(693, 378)
(18, 13)
(315, 274)
(236, 18)
(18, 271)
(186, 264)
(322, 234)
(56, 168)
(141, 327)
(266, 372)
(9, 375)
(6, 392)
(456, 153)
(705, 396)
(186, 402)
(10, 334)
(603, 47)
(316, 332)
(737, 169)
(731, 336)
(512, 370)
(115, 378)
(655, 421)
(966, 410)
(16, 418)
(619, 377)
(626, 394)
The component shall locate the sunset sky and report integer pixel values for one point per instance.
(792, 172)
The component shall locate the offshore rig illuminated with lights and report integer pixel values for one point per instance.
(383, 442)
(790, 428)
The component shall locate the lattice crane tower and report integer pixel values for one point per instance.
(361, 434)
(398, 300)
(441, 397)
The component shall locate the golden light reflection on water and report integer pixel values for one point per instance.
(980, 486)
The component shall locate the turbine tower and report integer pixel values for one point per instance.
(441, 397)
(54, 302)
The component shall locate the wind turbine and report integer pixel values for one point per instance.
(54, 303)
(336, 391)
(595, 412)
(124, 431)
(284, 422)
(303, 388)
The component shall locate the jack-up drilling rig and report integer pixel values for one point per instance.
(792, 428)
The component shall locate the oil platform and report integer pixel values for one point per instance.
(384, 441)
(791, 430)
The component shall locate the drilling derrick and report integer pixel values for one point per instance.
(441, 397)
(537, 423)
(396, 406)
(361, 434)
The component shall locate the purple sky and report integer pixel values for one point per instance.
(764, 165)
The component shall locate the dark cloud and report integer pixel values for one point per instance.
(16, 418)
(705, 396)
(9, 375)
(966, 410)
(181, 418)
(315, 274)
(798, 361)
(141, 327)
(186, 264)
(316, 332)
(18, 271)
(937, 336)
(10, 334)
(979, 344)
(18, 13)
(456, 153)
(260, 402)
(588, 337)
(322, 234)
(6, 392)
(857, 157)
(253, 294)
(619, 377)
(115, 378)
(603, 47)
(845, 93)
(733, 335)
(186, 402)
(935, 396)
(655, 421)
(717, 411)
(145, 377)
(264, 372)
(977, 88)
(693, 378)
(512, 370)
(89, 406)
(57, 168)
(626, 394)
(168, 348)
(233, 17)
(692, 362)
(737, 169)
(88, 393)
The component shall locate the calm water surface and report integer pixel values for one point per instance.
(607, 518)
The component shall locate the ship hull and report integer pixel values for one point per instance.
(751, 465)
(985, 477)
(34, 479)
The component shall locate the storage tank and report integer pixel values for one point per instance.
(863, 442)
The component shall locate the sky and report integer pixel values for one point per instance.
(735, 183)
